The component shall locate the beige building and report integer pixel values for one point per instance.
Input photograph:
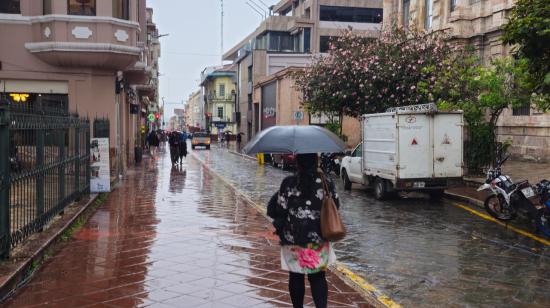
(479, 23)
(298, 30)
(194, 112)
(97, 58)
(219, 93)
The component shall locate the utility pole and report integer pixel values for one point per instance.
(221, 50)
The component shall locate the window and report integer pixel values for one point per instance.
(222, 90)
(324, 42)
(82, 7)
(121, 9)
(250, 73)
(307, 39)
(358, 150)
(220, 112)
(280, 41)
(351, 14)
(406, 13)
(522, 111)
(453, 5)
(47, 7)
(10, 7)
(429, 14)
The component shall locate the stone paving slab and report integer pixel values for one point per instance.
(171, 237)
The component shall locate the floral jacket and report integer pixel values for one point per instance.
(296, 217)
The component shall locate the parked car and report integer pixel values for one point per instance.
(414, 148)
(200, 139)
(285, 161)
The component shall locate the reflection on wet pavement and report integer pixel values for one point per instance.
(418, 252)
(170, 237)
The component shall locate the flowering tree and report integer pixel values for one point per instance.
(363, 75)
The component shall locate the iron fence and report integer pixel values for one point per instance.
(45, 169)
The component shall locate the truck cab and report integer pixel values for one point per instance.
(351, 168)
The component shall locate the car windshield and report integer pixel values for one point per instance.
(200, 135)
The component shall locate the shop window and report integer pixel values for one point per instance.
(82, 7)
(10, 7)
(121, 9)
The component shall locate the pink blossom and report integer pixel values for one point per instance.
(308, 258)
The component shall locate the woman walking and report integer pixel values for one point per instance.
(296, 210)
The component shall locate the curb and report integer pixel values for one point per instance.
(26, 270)
(369, 292)
(465, 199)
(242, 155)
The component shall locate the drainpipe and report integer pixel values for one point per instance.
(118, 123)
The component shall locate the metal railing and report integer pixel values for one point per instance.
(44, 166)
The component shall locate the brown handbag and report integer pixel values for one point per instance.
(332, 227)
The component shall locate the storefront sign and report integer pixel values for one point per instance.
(100, 178)
(151, 117)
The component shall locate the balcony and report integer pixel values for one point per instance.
(85, 41)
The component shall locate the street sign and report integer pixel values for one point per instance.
(220, 125)
(151, 117)
(298, 115)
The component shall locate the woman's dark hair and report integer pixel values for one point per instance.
(307, 173)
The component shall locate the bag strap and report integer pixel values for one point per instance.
(325, 185)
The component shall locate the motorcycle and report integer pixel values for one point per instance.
(508, 198)
(542, 190)
(329, 163)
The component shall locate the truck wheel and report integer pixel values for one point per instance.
(380, 190)
(345, 179)
(437, 194)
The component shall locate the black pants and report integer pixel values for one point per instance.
(297, 288)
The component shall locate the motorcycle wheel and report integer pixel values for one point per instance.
(544, 224)
(494, 205)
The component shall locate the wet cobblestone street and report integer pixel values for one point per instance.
(170, 237)
(417, 251)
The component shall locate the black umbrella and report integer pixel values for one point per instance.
(295, 139)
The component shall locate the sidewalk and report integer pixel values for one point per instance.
(517, 170)
(171, 237)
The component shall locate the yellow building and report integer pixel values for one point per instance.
(219, 86)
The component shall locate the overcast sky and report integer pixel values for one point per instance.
(194, 41)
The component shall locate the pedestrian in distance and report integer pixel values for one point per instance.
(182, 151)
(296, 212)
(174, 141)
(239, 140)
(227, 138)
(153, 140)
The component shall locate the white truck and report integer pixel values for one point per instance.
(413, 148)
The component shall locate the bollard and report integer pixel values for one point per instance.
(261, 159)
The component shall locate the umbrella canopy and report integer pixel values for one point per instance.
(295, 139)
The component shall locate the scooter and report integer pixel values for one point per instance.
(508, 198)
(329, 163)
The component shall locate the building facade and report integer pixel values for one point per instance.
(195, 112)
(296, 32)
(82, 56)
(478, 23)
(219, 93)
